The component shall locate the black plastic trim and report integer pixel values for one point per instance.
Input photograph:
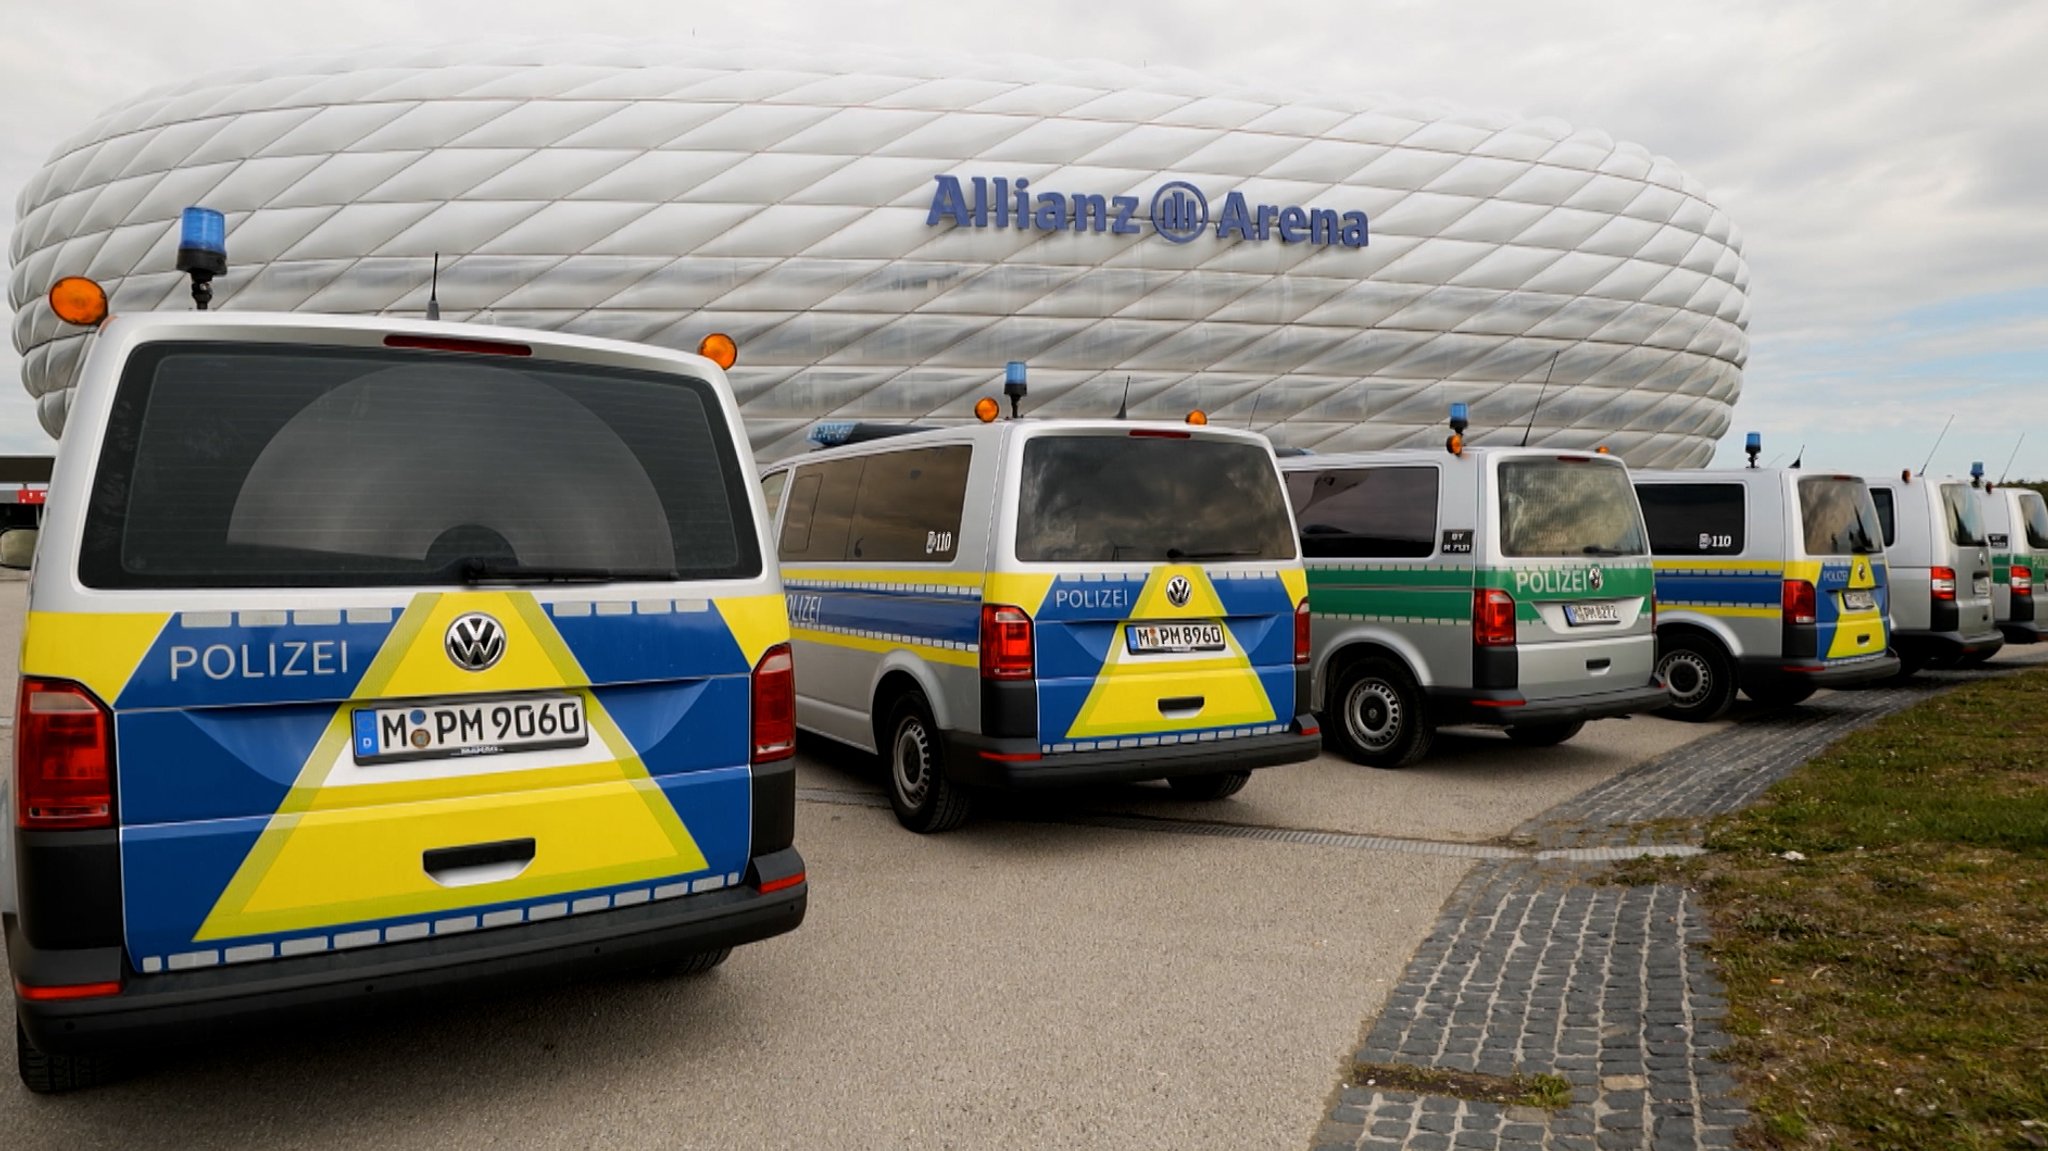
(1009, 708)
(1496, 668)
(70, 887)
(1933, 645)
(966, 762)
(1764, 671)
(774, 802)
(1464, 706)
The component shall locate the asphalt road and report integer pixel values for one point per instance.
(1026, 981)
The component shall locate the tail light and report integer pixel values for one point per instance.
(775, 705)
(1942, 582)
(2022, 580)
(1005, 642)
(1301, 633)
(63, 757)
(1493, 618)
(1802, 603)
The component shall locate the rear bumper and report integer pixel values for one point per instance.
(1456, 706)
(1846, 673)
(1020, 764)
(2021, 632)
(1938, 646)
(153, 1010)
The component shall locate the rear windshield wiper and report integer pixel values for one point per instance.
(1213, 554)
(475, 571)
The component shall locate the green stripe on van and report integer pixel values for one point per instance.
(1430, 593)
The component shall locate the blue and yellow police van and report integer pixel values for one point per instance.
(373, 657)
(1031, 603)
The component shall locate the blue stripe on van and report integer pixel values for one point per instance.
(921, 617)
(1737, 589)
(227, 763)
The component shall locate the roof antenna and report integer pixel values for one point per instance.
(434, 290)
(1937, 444)
(2009, 459)
(1123, 406)
(1798, 456)
(1252, 424)
(1539, 396)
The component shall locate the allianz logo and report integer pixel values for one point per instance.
(1178, 213)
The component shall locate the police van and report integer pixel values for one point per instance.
(1494, 586)
(370, 656)
(1034, 603)
(1770, 580)
(2016, 526)
(1940, 558)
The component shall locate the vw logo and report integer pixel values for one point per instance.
(1179, 591)
(475, 641)
(1179, 211)
(1594, 579)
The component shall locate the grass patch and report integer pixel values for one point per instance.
(1888, 984)
(1550, 1092)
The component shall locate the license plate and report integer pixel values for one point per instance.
(1146, 638)
(480, 727)
(1981, 586)
(1859, 601)
(1577, 614)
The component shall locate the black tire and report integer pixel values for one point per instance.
(926, 801)
(1781, 694)
(1218, 786)
(1700, 676)
(1377, 716)
(47, 1074)
(697, 963)
(1545, 734)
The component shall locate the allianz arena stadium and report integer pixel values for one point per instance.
(881, 232)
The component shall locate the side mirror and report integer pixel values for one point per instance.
(17, 548)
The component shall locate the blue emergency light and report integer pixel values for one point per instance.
(1013, 384)
(1976, 473)
(1754, 445)
(832, 433)
(1460, 417)
(202, 250)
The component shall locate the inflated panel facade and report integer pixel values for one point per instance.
(881, 233)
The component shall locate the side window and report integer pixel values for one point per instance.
(820, 511)
(1365, 513)
(1693, 519)
(1886, 517)
(908, 509)
(771, 492)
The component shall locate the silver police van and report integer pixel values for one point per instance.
(1772, 580)
(367, 655)
(1941, 571)
(1496, 586)
(1033, 603)
(2016, 526)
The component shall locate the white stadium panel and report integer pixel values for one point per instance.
(1333, 270)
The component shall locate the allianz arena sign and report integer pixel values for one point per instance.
(1178, 213)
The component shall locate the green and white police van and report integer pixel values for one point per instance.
(1497, 586)
(369, 659)
(1941, 572)
(1771, 580)
(2016, 526)
(1034, 603)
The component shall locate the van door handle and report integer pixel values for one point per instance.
(1181, 706)
(474, 863)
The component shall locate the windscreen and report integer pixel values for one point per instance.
(1149, 498)
(1568, 507)
(269, 465)
(1959, 511)
(1838, 517)
(2034, 510)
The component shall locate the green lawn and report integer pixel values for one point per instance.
(1890, 989)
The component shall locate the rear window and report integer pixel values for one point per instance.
(1959, 510)
(1838, 516)
(1148, 499)
(1693, 519)
(264, 465)
(2034, 510)
(1366, 513)
(1564, 507)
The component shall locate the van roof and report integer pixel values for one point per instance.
(1413, 455)
(975, 431)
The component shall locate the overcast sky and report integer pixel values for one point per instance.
(1885, 161)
